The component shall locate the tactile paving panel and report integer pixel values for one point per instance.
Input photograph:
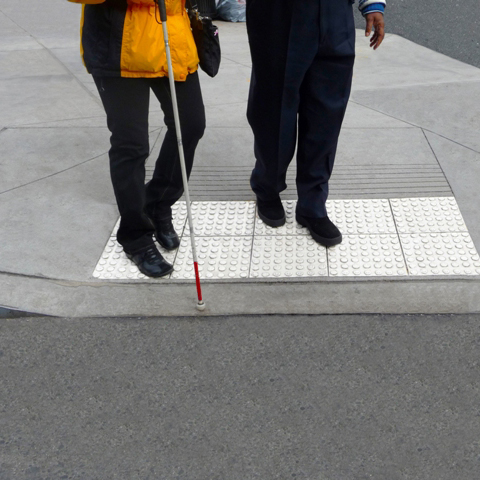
(362, 216)
(351, 216)
(427, 215)
(367, 255)
(179, 217)
(413, 236)
(218, 257)
(440, 254)
(115, 265)
(287, 256)
(222, 218)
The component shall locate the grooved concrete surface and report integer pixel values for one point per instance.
(410, 132)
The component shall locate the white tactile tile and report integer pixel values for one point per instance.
(426, 215)
(218, 257)
(179, 216)
(381, 237)
(367, 255)
(222, 218)
(440, 254)
(287, 256)
(362, 216)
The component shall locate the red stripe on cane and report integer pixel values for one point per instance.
(197, 278)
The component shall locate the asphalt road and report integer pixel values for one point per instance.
(240, 398)
(449, 27)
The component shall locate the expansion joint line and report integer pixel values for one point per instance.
(53, 174)
(436, 158)
(416, 126)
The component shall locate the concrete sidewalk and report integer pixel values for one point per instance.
(404, 189)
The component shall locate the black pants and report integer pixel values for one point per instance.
(126, 102)
(303, 54)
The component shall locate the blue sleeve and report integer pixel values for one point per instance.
(370, 6)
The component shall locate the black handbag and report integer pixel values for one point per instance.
(206, 39)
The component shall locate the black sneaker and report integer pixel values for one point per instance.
(271, 212)
(165, 233)
(150, 262)
(323, 230)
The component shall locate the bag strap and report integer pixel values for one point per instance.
(190, 6)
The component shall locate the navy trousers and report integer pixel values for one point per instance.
(302, 54)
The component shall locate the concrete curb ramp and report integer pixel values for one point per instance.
(411, 132)
(319, 296)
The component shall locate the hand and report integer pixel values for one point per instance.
(376, 21)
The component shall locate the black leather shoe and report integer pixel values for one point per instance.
(323, 230)
(165, 233)
(150, 262)
(271, 212)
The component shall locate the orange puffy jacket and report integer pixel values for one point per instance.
(124, 38)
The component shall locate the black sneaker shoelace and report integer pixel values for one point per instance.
(152, 255)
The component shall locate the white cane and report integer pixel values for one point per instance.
(163, 18)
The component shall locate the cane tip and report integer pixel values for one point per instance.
(201, 306)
